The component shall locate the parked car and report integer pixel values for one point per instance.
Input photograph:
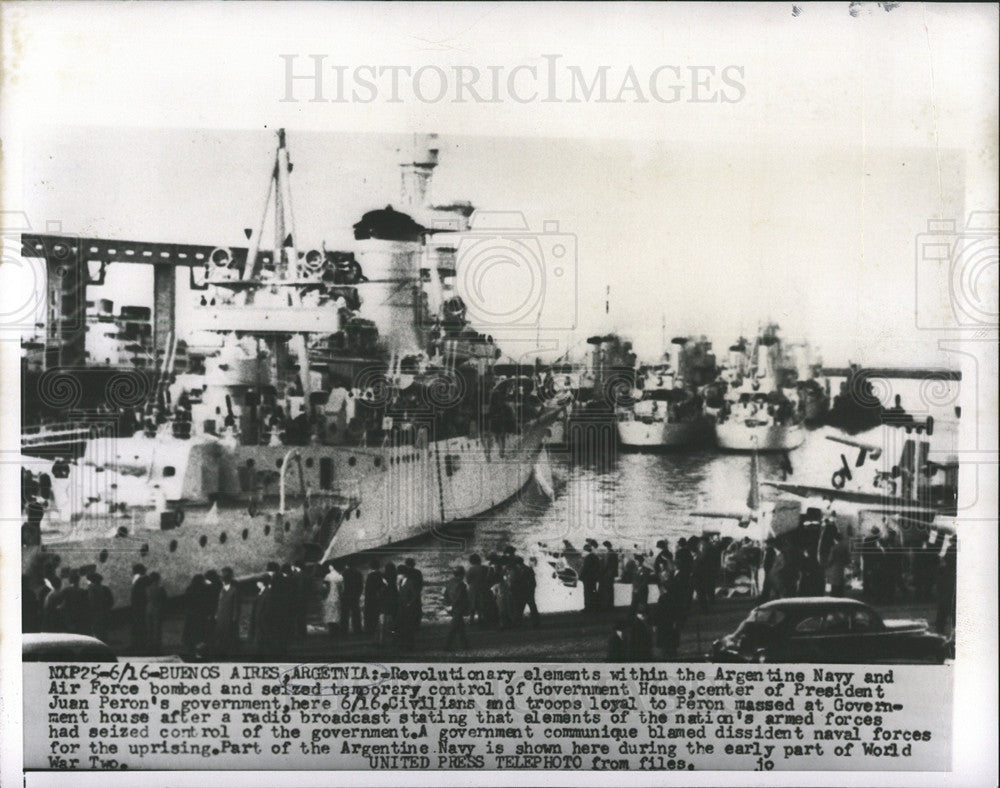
(64, 647)
(827, 629)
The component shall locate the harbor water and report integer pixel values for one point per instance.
(634, 499)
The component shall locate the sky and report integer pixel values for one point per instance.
(804, 202)
(690, 239)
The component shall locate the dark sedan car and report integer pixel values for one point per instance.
(64, 647)
(827, 629)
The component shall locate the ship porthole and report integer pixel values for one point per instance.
(277, 462)
(245, 534)
(309, 462)
(352, 461)
(173, 545)
(203, 540)
(103, 556)
(144, 550)
(223, 538)
(267, 530)
(378, 462)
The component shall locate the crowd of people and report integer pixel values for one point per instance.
(387, 604)
(67, 601)
(813, 560)
(384, 603)
(687, 573)
(819, 559)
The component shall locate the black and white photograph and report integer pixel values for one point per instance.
(318, 447)
(540, 408)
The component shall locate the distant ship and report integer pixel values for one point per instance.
(317, 428)
(759, 410)
(667, 411)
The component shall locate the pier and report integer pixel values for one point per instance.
(561, 637)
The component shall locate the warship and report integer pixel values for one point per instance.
(348, 405)
(667, 409)
(759, 407)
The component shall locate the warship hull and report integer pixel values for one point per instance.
(283, 504)
(661, 434)
(736, 436)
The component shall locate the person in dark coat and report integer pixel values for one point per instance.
(501, 594)
(767, 591)
(277, 610)
(590, 574)
(683, 556)
(527, 582)
(193, 632)
(514, 596)
(609, 573)
(213, 587)
(873, 565)
(417, 577)
(617, 647)
(811, 580)
(298, 587)
(137, 607)
(100, 601)
(640, 583)
(494, 580)
(156, 600)
(374, 585)
(350, 601)
(924, 566)
(227, 616)
(946, 586)
(388, 604)
(478, 589)
(265, 618)
(892, 564)
(664, 561)
(456, 601)
(640, 637)
(409, 607)
(75, 615)
(31, 607)
(669, 615)
(704, 574)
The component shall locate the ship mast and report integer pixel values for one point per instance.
(283, 167)
(287, 328)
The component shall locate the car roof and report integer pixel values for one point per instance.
(806, 602)
(34, 639)
(63, 646)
